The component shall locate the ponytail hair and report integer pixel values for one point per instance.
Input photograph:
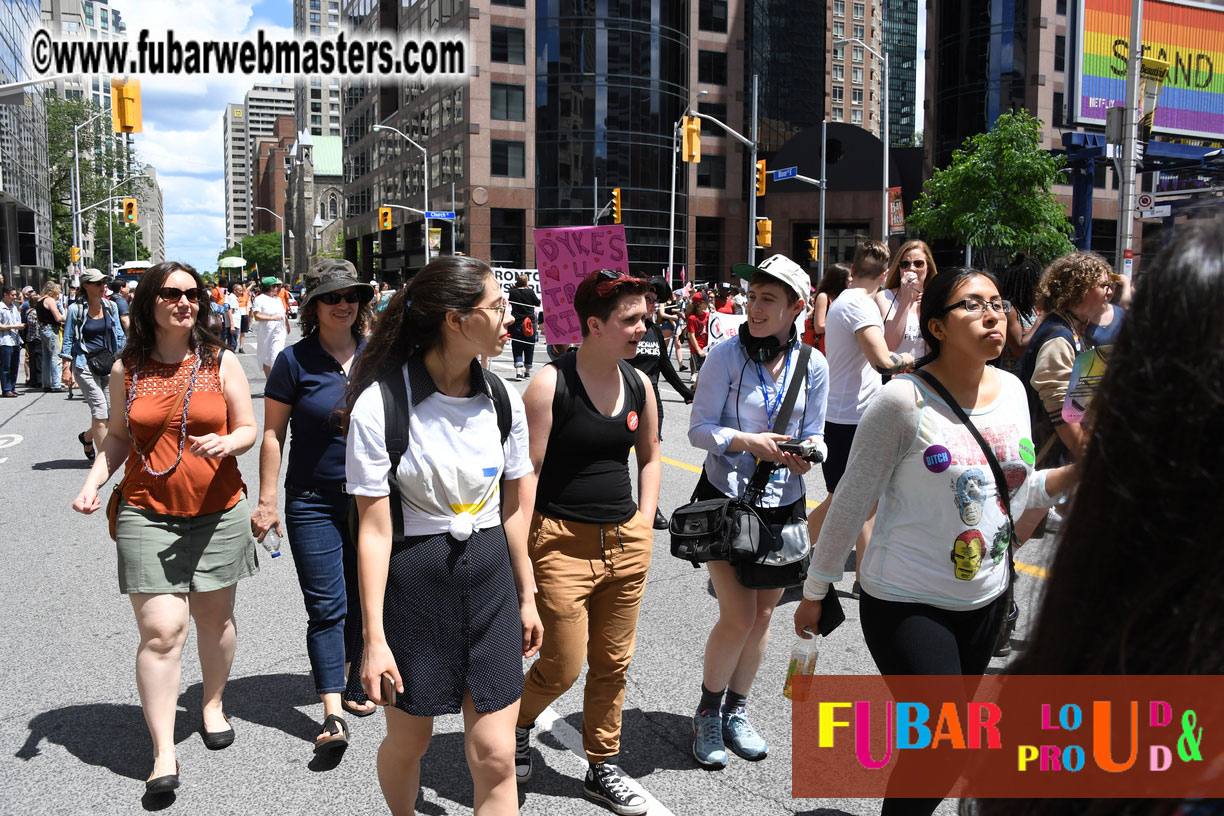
(412, 322)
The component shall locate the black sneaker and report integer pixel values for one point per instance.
(660, 522)
(522, 754)
(606, 784)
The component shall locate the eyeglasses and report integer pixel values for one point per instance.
(918, 264)
(976, 306)
(500, 308)
(333, 298)
(1108, 285)
(651, 299)
(173, 294)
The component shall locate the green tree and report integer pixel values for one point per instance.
(263, 249)
(127, 236)
(102, 161)
(996, 196)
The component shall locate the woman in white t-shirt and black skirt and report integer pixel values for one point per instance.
(448, 611)
(936, 570)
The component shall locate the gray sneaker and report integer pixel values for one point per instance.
(522, 754)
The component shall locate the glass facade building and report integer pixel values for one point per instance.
(25, 197)
(901, 45)
(784, 49)
(611, 81)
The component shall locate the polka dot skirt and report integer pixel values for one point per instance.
(451, 618)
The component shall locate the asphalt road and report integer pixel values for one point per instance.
(75, 735)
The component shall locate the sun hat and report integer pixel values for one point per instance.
(92, 275)
(782, 269)
(332, 275)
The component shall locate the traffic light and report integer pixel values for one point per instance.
(764, 232)
(129, 211)
(691, 132)
(74, 254)
(616, 211)
(760, 178)
(813, 248)
(384, 218)
(125, 106)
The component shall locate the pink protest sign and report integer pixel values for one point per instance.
(566, 255)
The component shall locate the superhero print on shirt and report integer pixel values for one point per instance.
(998, 547)
(967, 552)
(971, 494)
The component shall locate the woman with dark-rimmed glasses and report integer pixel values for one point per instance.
(305, 395)
(182, 528)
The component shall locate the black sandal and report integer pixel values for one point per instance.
(87, 446)
(335, 738)
(351, 707)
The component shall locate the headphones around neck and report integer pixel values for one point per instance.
(764, 349)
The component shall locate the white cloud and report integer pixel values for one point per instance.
(182, 135)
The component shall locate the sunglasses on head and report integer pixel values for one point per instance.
(333, 298)
(173, 294)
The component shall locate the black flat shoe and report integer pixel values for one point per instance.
(216, 740)
(163, 784)
(660, 522)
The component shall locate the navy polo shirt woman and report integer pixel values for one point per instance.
(305, 395)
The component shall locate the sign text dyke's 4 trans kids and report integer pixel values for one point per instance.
(1008, 736)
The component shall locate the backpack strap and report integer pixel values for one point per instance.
(396, 411)
(501, 403)
(637, 391)
(566, 364)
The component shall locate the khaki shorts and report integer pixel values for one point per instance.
(176, 554)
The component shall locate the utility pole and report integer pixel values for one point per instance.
(820, 254)
(752, 163)
(1124, 255)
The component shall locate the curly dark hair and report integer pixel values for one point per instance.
(1068, 279)
(1137, 586)
(142, 325)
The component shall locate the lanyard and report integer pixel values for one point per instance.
(771, 410)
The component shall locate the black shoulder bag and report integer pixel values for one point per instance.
(731, 530)
(1013, 612)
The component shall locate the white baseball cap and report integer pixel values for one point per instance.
(786, 271)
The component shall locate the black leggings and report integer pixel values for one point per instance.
(914, 638)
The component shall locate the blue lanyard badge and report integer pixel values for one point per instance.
(771, 410)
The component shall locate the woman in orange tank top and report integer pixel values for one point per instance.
(182, 529)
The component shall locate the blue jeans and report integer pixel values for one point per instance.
(326, 561)
(51, 371)
(9, 355)
(524, 352)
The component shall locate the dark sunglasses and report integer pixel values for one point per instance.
(173, 294)
(333, 298)
(916, 264)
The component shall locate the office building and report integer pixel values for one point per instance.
(150, 216)
(270, 185)
(25, 194)
(901, 45)
(243, 127)
(316, 101)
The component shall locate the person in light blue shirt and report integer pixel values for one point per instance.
(741, 390)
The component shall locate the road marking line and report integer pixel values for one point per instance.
(1027, 569)
(550, 720)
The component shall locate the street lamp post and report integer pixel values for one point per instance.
(284, 271)
(76, 165)
(424, 153)
(671, 223)
(884, 119)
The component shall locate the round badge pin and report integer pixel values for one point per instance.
(1027, 452)
(937, 458)
(632, 420)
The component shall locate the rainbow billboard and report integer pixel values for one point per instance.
(1187, 35)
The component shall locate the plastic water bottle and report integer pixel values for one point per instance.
(272, 543)
(802, 663)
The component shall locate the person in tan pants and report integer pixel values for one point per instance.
(589, 541)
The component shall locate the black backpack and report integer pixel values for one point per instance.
(396, 409)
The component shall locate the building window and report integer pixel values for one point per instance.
(1060, 7)
(858, 31)
(838, 116)
(509, 45)
(856, 53)
(513, 3)
(839, 53)
(1060, 52)
(712, 67)
(712, 16)
(1059, 119)
(507, 102)
(839, 8)
(719, 111)
(507, 229)
(856, 96)
(712, 172)
(856, 75)
(508, 159)
(859, 11)
(856, 117)
(839, 30)
(708, 247)
(314, 17)
(89, 14)
(314, 29)
(839, 73)
(839, 93)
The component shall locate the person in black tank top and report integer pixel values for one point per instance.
(590, 541)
